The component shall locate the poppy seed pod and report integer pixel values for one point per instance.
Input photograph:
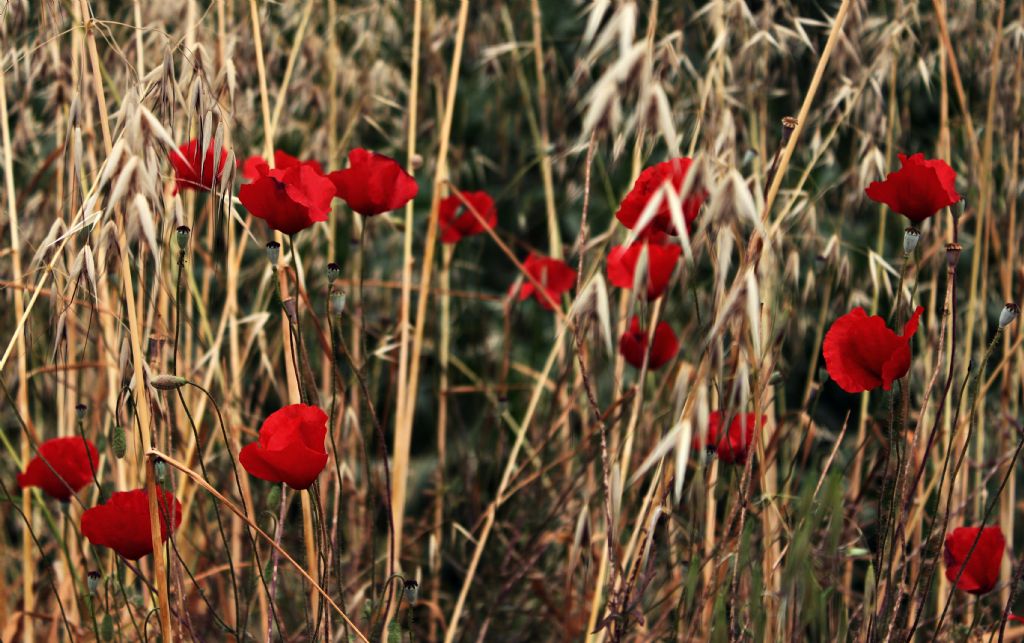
(333, 271)
(337, 303)
(183, 232)
(273, 252)
(412, 589)
(910, 238)
(1009, 313)
(160, 471)
(92, 580)
(168, 382)
(118, 442)
(80, 410)
(953, 254)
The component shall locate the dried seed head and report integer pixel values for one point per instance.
(273, 252)
(1009, 313)
(953, 254)
(910, 238)
(333, 271)
(168, 382)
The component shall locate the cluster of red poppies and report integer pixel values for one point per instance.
(861, 353)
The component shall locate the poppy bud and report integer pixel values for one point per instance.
(92, 579)
(80, 410)
(168, 382)
(788, 125)
(953, 254)
(910, 238)
(337, 303)
(333, 271)
(1008, 314)
(107, 627)
(183, 233)
(160, 471)
(412, 589)
(273, 252)
(290, 310)
(274, 497)
(118, 442)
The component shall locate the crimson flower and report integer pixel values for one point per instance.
(919, 189)
(733, 445)
(256, 167)
(633, 345)
(290, 198)
(373, 183)
(980, 571)
(661, 263)
(123, 522)
(553, 275)
(63, 466)
(862, 353)
(647, 186)
(457, 221)
(291, 447)
(195, 171)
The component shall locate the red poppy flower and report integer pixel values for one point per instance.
(733, 445)
(192, 170)
(633, 345)
(457, 221)
(256, 167)
(373, 183)
(63, 466)
(648, 184)
(289, 199)
(661, 263)
(123, 522)
(919, 189)
(291, 447)
(554, 275)
(862, 353)
(980, 571)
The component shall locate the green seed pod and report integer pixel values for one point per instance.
(160, 471)
(107, 627)
(118, 442)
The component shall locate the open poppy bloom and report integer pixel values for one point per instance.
(256, 167)
(981, 571)
(63, 466)
(917, 190)
(457, 221)
(195, 171)
(553, 275)
(633, 345)
(291, 447)
(289, 199)
(648, 184)
(373, 183)
(661, 263)
(733, 445)
(123, 522)
(862, 353)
